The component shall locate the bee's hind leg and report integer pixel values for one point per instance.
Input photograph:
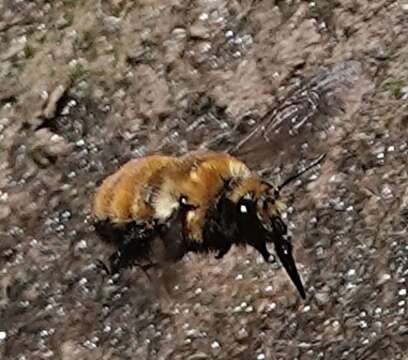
(102, 267)
(146, 267)
(223, 251)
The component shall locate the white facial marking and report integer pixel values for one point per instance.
(247, 196)
(164, 205)
(243, 209)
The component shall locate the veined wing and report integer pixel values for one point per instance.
(288, 127)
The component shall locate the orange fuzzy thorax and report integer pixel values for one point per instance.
(150, 188)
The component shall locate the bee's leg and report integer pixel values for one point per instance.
(146, 267)
(156, 274)
(172, 235)
(173, 249)
(122, 259)
(261, 247)
(116, 262)
(134, 245)
(223, 251)
(102, 267)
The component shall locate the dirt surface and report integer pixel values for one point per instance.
(84, 86)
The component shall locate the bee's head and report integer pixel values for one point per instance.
(259, 221)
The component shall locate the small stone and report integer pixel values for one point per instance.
(179, 32)
(386, 192)
(203, 17)
(383, 279)
(270, 307)
(322, 297)
(3, 335)
(81, 245)
(336, 325)
(193, 333)
(363, 324)
(215, 345)
(200, 31)
(242, 334)
(404, 7)
(198, 356)
(90, 345)
(378, 311)
(107, 329)
(55, 96)
(111, 23)
(351, 274)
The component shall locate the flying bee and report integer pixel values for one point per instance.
(196, 203)
(207, 202)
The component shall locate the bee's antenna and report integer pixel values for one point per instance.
(300, 173)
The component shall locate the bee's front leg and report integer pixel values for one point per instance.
(223, 251)
(117, 262)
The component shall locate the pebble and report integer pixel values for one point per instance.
(322, 297)
(215, 345)
(351, 274)
(198, 356)
(199, 30)
(383, 279)
(203, 17)
(242, 334)
(81, 245)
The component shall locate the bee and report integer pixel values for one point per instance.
(200, 203)
(208, 202)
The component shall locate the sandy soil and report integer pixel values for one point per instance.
(84, 86)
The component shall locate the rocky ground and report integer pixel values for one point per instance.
(84, 86)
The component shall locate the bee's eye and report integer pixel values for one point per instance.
(243, 209)
(184, 203)
(246, 207)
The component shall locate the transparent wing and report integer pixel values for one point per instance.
(318, 94)
(291, 127)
